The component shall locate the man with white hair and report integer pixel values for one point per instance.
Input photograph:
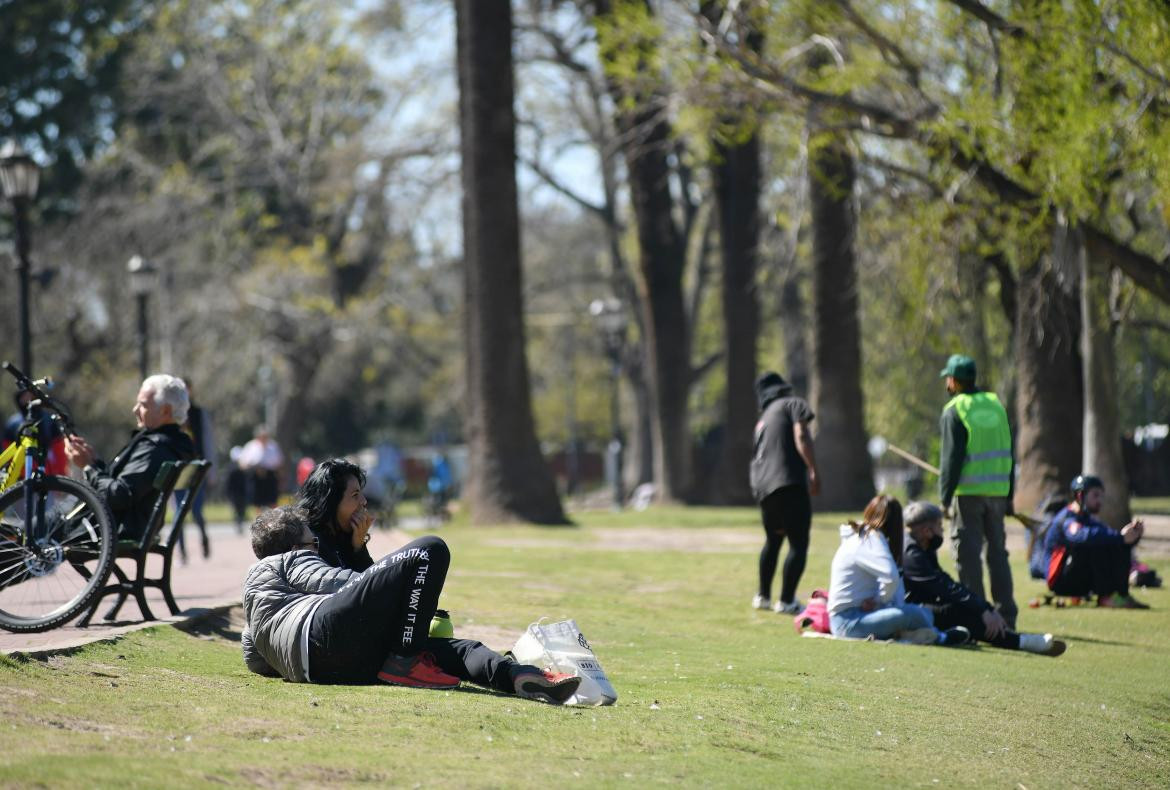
(127, 482)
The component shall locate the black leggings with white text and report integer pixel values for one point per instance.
(386, 610)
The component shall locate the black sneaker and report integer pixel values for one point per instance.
(954, 637)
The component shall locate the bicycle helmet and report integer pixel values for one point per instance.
(1082, 483)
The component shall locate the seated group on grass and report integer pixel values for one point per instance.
(872, 596)
(312, 619)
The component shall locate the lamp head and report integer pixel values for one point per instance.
(19, 174)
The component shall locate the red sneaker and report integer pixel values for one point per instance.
(551, 687)
(416, 671)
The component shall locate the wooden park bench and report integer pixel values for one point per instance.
(159, 539)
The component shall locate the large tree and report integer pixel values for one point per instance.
(1102, 452)
(737, 175)
(628, 44)
(508, 479)
(846, 470)
(587, 104)
(61, 65)
(1049, 400)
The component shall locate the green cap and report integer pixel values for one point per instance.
(959, 366)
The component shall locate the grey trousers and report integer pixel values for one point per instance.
(979, 521)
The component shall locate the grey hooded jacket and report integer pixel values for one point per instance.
(280, 594)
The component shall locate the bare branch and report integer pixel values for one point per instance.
(778, 83)
(887, 47)
(988, 17)
(552, 181)
(1150, 323)
(705, 367)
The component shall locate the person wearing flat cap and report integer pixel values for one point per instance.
(951, 603)
(976, 473)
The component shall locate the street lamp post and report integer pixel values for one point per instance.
(610, 317)
(142, 281)
(20, 177)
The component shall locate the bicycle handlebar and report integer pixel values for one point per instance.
(28, 385)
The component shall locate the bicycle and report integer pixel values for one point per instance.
(57, 538)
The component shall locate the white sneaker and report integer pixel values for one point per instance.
(792, 607)
(1043, 644)
(760, 602)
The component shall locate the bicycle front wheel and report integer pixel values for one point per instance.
(56, 548)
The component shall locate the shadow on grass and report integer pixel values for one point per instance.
(1091, 641)
(215, 623)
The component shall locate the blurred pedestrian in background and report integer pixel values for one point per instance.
(236, 488)
(262, 459)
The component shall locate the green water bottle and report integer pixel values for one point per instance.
(441, 627)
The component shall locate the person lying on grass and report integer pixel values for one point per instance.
(952, 604)
(309, 622)
(866, 597)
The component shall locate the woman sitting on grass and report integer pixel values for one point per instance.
(866, 597)
(332, 499)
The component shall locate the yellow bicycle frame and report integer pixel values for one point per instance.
(12, 460)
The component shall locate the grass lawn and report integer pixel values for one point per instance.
(712, 693)
(1150, 505)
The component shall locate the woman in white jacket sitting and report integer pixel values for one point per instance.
(866, 596)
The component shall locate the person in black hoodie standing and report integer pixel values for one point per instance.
(127, 482)
(783, 476)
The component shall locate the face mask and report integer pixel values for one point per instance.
(936, 542)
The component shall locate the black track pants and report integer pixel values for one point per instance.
(950, 615)
(1101, 569)
(787, 513)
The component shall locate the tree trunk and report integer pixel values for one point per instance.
(303, 360)
(1048, 369)
(640, 461)
(844, 462)
(794, 327)
(646, 142)
(508, 479)
(1102, 454)
(736, 176)
(737, 193)
(972, 279)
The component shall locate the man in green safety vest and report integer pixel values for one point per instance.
(976, 472)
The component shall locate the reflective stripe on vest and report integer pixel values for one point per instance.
(987, 466)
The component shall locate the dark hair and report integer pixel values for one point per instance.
(277, 531)
(323, 490)
(884, 514)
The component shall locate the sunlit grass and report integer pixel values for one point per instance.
(712, 693)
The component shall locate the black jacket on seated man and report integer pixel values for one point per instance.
(127, 482)
(952, 604)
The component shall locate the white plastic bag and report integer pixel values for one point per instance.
(561, 647)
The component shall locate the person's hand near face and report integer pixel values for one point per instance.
(360, 524)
